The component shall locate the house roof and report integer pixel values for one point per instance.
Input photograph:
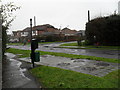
(66, 28)
(43, 27)
(27, 29)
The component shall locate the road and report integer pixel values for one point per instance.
(90, 52)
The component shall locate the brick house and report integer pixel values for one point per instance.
(69, 35)
(17, 35)
(45, 32)
(68, 32)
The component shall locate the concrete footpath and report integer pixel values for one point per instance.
(16, 75)
(92, 67)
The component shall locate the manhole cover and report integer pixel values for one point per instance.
(89, 68)
(102, 64)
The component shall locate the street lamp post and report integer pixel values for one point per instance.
(30, 30)
(32, 50)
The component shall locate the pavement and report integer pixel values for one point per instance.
(16, 75)
(92, 67)
(0, 71)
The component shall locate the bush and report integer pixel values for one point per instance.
(105, 29)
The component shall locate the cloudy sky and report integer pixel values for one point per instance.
(64, 13)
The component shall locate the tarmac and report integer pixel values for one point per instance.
(16, 75)
(89, 52)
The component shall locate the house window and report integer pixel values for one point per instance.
(34, 32)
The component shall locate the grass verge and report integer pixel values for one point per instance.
(52, 77)
(26, 53)
(88, 47)
(69, 44)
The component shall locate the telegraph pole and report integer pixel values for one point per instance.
(88, 15)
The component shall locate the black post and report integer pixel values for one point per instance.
(32, 50)
(88, 15)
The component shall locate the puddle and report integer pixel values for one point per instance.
(10, 55)
(16, 64)
(63, 64)
(102, 64)
(22, 73)
(89, 68)
(78, 61)
(46, 56)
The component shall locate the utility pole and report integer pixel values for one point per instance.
(32, 51)
(88, 15)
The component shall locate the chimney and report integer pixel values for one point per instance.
(34, 21)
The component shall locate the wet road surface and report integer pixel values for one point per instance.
(89, 52)
(16, 75)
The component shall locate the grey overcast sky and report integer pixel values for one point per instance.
(71, 13)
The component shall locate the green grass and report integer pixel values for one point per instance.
(26, 53)
(69, 44)
(52, 77)
(89, 46)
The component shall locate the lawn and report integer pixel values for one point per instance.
(69, 44)
(26, 53)
(52, 77)
(88, 46)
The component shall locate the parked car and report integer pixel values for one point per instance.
(13, 40)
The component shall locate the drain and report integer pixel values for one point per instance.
(102, 64)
